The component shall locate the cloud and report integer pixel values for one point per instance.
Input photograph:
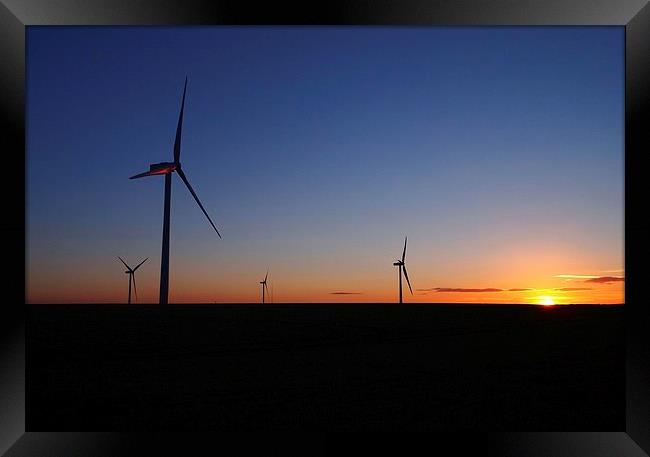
(605, 279)
(464, 289)
(570, 289)
(345, 293)
(455, 289)
(587, 278)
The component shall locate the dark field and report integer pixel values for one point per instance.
(334, 367)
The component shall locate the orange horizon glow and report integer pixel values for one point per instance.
(331, 274)
(607, 294)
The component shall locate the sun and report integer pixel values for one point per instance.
(546, 301)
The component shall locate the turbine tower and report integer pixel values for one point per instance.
(264, 287)
(131, 272)
(166, 169)
(402, 268)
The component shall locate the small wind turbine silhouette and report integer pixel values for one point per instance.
(167, 168)
(131, 272)
(402, 267)
(264, 287)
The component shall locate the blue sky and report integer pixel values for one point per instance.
(315, 150)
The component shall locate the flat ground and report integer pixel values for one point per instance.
(335, 367)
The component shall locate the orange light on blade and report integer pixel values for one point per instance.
(163, 171)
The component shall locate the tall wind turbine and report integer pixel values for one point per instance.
(131, 272)
(166, 169)
(402, 268)
(264, 287)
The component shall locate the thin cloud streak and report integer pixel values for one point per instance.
(470, 290)
(345, 293)
(605, 279)
(456, 289)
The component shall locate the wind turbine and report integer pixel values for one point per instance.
(131, 272)
(264, 286)
(402, 267)
(166, 169)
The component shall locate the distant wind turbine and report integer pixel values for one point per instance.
(264, 287)
(402, 267)
(167, 168)
(131, 272)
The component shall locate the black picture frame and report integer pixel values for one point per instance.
(634, 15)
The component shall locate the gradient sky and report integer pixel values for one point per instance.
(499, 151)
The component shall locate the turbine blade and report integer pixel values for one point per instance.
(127, 267)
(179, 127)
(141, 263)
(135, 289)
(267, 275)
(268, 294)
(187, 183)
(404, 253)
(407, 278)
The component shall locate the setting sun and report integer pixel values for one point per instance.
(546, 301)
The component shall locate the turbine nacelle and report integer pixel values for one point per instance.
(161, 168)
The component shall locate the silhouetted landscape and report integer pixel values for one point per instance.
(325, 367)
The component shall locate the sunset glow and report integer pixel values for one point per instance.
(547, 301)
